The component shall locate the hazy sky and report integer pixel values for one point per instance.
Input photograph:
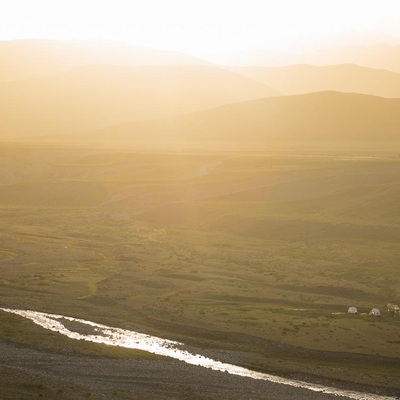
(197, 27)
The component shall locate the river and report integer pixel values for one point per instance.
(80, 329)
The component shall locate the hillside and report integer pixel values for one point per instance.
(298, 79)
(93, 97)
(374, 56)
(379, 56)
(324, 119)
(25, 59)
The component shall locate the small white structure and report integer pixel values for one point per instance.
(352, 310)
(393, 308)
(375, 312)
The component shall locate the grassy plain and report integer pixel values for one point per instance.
(261, 253)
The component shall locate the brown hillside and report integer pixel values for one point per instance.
(317, 119)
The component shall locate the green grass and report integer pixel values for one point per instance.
(267, 248)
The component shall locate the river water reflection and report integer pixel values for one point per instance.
(80, 329)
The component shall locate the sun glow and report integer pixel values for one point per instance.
(197, 27)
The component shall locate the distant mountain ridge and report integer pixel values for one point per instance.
(325, 119)
(25, 59)
(93, 97)
(98, 91)
(351, 78)
(378, 56)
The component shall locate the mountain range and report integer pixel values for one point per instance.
(326, 119)
(350, 78)
(378, 56)
(73, 91)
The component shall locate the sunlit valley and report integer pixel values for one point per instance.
(238, 207)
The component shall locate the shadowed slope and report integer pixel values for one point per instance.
(317, 119)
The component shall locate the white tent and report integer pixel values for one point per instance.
(352, 310)
(375, 312)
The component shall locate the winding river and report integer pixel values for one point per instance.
(81, 329)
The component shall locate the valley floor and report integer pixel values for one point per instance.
(257, 256)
